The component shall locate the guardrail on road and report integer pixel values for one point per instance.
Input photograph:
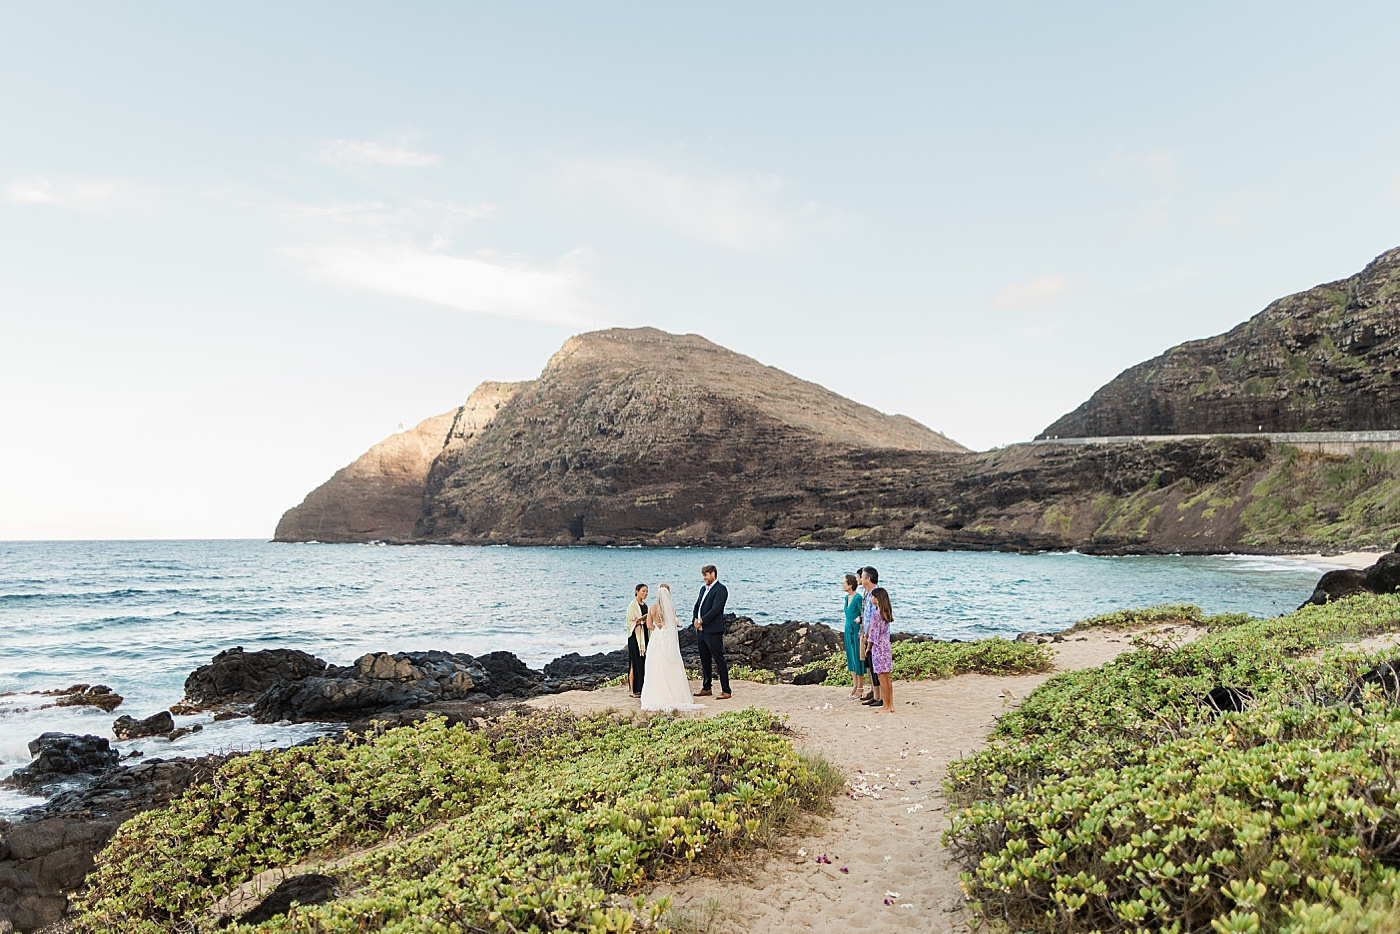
(1319, 442)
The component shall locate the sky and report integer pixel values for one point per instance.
(241, 243)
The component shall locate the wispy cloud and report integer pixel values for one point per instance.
(1153, 176)
(349, 152)
(743, 212)
(357, 210)
(483, 283)
(75, 196)
(1159, 169)
(1040, 291)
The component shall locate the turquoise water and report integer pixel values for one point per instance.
(139, 616)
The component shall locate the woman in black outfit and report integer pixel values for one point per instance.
(637, 641)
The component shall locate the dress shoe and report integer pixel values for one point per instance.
(723, 696)
(703, 692)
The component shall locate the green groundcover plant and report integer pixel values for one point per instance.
(535, 823)
(1114, 799)
(929, 661)
(1162, 614)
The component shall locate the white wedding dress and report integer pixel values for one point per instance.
(666, 686)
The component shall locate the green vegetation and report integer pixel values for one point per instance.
(1317, 499)
(1174, 613)
(1114, 800)
(536, 823)
(930, 661)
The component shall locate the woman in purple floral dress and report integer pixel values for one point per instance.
(881, 654)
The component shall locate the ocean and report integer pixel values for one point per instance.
(139, 616)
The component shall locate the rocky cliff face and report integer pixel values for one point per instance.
(642, 437)
(379, 497)
(1327, 359)
(638, 434)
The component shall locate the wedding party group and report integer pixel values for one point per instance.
(656, 672)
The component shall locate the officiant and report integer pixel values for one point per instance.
(637, 641)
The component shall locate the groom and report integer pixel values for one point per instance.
(709, 632)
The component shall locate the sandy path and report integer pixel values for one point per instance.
(889, 844)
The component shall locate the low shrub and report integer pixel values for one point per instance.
(1115, 800)
(1144, 616)
(930, 661)
(537, 823)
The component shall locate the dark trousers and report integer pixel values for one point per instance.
(712, 648)
(636, 662)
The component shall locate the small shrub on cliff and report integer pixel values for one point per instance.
(537, 823)
(931, 661)
(1114, 800)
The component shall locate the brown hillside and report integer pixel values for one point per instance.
(379, 497)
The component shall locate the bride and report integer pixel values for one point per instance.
(666, 686)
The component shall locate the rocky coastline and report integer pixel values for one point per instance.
(47, 851)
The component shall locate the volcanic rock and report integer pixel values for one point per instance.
(48, 853)
(575, 672)
(815, 676)
(1338, 585)
(378, 682)
(60, 758)
(238, 677)
(1320, 360)
(380, 496)
(83, 695)
(776, 647)
(155, 725)
(1381, 577)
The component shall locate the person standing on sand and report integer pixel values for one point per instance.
(854, 663)
(869, 577)
(881, 653)
(637, 641)
(709, 632)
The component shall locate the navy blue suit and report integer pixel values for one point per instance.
(709, 609)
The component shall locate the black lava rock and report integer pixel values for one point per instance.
(155, 725)
(238, 677)
(575, 672)
(61, 757)
(384, 683)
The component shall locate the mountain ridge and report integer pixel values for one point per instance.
(1324, 359)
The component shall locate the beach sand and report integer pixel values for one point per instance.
(1350, 559)
(890, 843)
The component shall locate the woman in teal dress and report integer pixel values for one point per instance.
(854, 663)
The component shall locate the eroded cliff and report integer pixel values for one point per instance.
(379, 497)
(1327, 359)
